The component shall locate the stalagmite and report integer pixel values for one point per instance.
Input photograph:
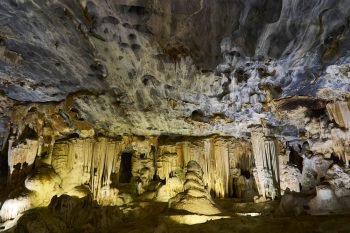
(43, 183)
(195, 198)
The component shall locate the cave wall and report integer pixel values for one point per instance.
(256, 93)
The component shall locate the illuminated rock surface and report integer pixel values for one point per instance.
(152, 115)
(195, 198)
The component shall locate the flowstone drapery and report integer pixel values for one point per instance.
(222, 160)
(87, 161)
(266, 173)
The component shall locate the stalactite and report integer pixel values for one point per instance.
(221, 170)
(217, 156)
(106, 155)
(23, 153)
(340, 112)
(341, 147)
(94, 160)
(266, 161)
(241, 164)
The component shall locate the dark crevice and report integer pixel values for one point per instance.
(125, 174)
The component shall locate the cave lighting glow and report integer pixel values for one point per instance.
(192, 219)
(249, 214)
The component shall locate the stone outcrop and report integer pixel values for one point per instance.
(330, 197)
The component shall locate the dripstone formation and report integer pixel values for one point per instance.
(157, 115)
(195, 198)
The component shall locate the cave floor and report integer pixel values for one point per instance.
(265, 223)
(153, 217)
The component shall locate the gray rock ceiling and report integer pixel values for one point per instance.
(194, 67)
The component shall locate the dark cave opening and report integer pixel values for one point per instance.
(246, 174)
(233, 193)
(296, 159)
(28, 133)
(125, 174)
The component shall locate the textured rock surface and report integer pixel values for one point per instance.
(223, 160)
(195, 198)
(267, 169)
(137, 66)
(111, 99)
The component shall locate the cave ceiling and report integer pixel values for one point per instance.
(152, 67)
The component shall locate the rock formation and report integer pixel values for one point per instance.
(124, 105)
(267, 166)
(222, 160)
(195, 198)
